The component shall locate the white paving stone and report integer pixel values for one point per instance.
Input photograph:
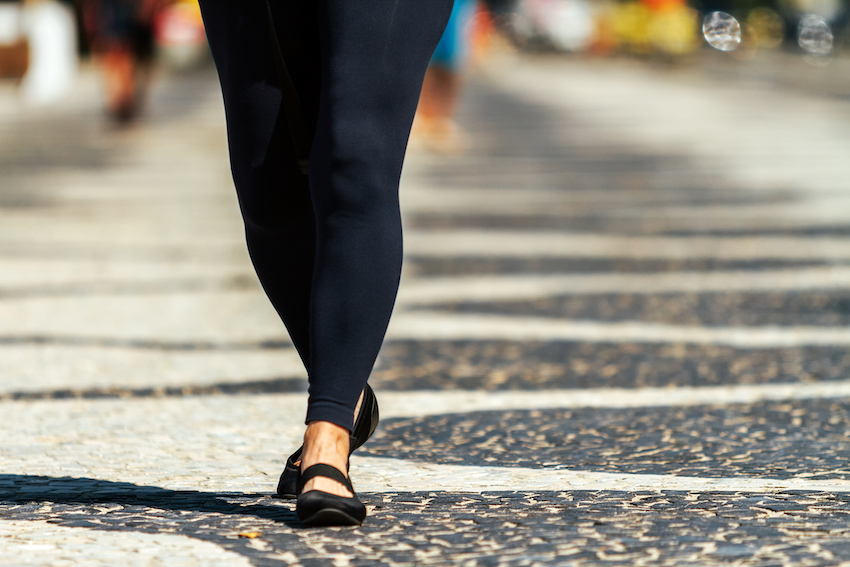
(552, 244)
(39, 543)
(29, 274)
(797, 143)
(391, 475)
(806, 210)
(44, 368)
(440, 326)
(534, 286)
(181, 316)
(425, 402)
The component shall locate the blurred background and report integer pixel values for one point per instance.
(627, 250)
(43, 43)
(572, 163)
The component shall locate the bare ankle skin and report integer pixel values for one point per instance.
(325, 442)
(357, 407)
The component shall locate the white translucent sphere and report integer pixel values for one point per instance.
(814, 35)
(721, 31)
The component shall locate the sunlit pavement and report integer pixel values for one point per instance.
(622, 334)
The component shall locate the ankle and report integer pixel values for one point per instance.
(323, 439)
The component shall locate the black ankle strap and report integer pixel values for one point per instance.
(365, 410)
(328, 471)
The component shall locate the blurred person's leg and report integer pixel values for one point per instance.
(119, 70)
(116, 37)
(442, 85)
(440, 92)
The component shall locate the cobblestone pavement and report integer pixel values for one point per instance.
(621, 336)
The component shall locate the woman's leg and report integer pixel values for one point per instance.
(329, 264)
(274, 195)
(374, 56)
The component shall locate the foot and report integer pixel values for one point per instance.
(326, 442)
(325, 445)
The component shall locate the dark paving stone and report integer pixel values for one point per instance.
(517, 365)
(770, 439)
(812, 308)
(424, 266)
(144, 344)
(566, 218)
(499, 528)
(270, 386)
(805, 231)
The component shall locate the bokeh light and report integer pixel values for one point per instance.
(814, 35)
(722, 31)
(766, 27)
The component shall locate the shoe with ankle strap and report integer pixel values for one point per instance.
(318, 508)
(364, 427)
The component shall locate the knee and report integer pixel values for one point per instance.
(360, 174)
(277, 206)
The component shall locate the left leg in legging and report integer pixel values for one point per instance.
(374, 56)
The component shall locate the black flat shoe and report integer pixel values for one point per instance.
(317, 508)
(364, 427)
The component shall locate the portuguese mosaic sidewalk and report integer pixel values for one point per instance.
(621, 339)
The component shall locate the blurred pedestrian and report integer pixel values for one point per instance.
(435, 128)
(319, 97)
(120, 34)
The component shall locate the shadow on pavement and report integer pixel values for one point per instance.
(17, 489)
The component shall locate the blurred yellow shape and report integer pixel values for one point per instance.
(765, 27)
(673, 30)
(631, 26)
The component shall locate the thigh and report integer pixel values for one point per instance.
(374, 56)
(264, 165)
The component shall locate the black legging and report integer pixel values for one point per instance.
(327, 251)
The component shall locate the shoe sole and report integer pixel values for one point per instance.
(330, 517)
